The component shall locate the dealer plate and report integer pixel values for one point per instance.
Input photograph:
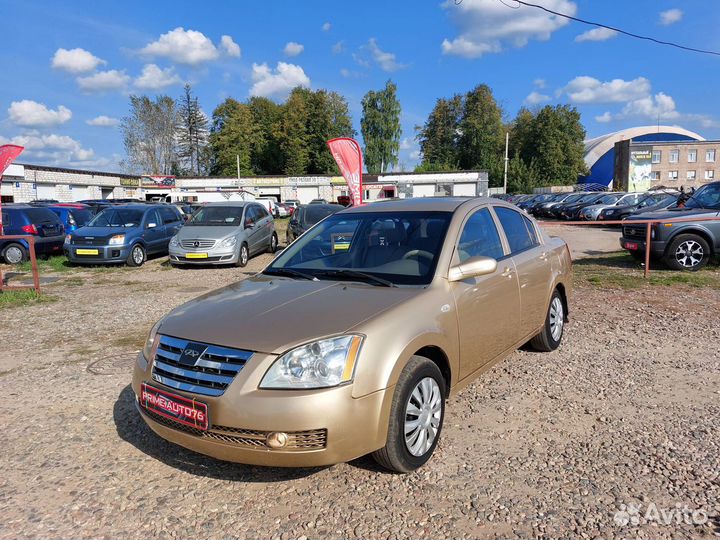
(631, 245)
(177, 408)
(87, 252)
(196, 255)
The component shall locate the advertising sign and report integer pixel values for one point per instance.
(639, 172)
(157, 182)
(348, 156)
(8, 154)
(130, 182)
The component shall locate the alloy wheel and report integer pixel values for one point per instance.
(689, 254)
(137, 255)
(423, 413)
(243, 255)
(557, 318)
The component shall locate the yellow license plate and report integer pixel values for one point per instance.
(196, 255)
(87, 252)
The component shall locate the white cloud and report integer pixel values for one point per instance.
(604, 117)
(350, 74)
(540, 83)
(671, 16)
(385, 60)
(535, 98)
(103, 121)
(596, 34)
(230, 47)
(590, 90)
(417, 154)
(183, 46)
(406, 144)
(104, 80)
(75, 60)
(293, 49)
(487, 26)
(660, 108)
(154, 78)
(30, 113)
(278, 82)
(338, 47)
(326, 26)
(59, 149)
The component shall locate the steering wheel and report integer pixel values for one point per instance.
(420, 254)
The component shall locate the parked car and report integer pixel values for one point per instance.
(72, 216)
(225, 233)
(530, 204)
(569, 211)
(545, 210)
(292, 202)
(306, 216)
(611, 200)
(96, 205)
(344, 200)
(319, 201)
(386, 311)
(124, 234)
(280, 211)
(269, 205)
(289, 208)
(648, 203)
(682, 246)
(37, 221)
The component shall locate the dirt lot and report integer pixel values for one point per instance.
(545, 445)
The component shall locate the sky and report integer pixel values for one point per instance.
(69, 67)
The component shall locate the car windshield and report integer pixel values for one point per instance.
(217, 215)
(117, 217)
(706, 197)
(574, 198)
(314, 214)
(544, 198)
(609, 199)
(380, 248)
(589, 197)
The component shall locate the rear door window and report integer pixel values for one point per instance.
(516, 229)
(260, 212)
(168, 215)
(480, 238)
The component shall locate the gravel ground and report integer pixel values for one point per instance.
(622, 418)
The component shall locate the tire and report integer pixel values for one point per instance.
(243, 256)
(420, 383)
(14, 253)
(551, 334)
(273, 243)
(137, 256)
(688, 252)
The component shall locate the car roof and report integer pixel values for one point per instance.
(421, 204)
(228, 203)
(322, 205)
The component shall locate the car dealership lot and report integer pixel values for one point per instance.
(548, 445)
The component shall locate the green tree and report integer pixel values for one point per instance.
(521, 143)
(232, 135)
(328, 117)
(380, 127)
(149, 135)
(482, 134)
(292, 132)
(266, 156)
(439, 136)
(192, 135)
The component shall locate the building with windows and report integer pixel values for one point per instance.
(640, 165)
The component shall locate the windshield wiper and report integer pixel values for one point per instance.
(354, 274)
(288, 272)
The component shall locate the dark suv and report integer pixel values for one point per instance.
(39, 222)
(682, 246)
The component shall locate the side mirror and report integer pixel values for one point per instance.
(249, 225)
(151, 225)
(473, 267)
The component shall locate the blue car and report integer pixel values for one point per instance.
(124, 234)
(73, 216)
(39, 222)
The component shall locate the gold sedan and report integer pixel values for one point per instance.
(352, 339)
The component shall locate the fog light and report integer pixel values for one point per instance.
(276, 439)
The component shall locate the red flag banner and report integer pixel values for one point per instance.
(8, 154)
(348, 156)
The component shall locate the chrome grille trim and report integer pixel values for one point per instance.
(211, 373)
(201, 243)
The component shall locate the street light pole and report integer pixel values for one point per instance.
(507, 141)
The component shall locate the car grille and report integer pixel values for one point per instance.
(315, 439)
(81, 241)
(208, 374)
(197, 244)
(635, 231)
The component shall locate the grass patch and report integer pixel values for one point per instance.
(72, 282)
(57, 263)
(11, 299)
(621, 271)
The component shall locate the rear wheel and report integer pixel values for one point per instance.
(137, 256)
(687, 252)
(14, 253)
(416, 417)
(551, 334)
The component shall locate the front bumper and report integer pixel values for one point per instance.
(244, 415)
(103, 255)
(214, 255)
(657, 247)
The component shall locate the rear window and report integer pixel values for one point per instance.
(313, 214)
(81, 217)
(40, 215)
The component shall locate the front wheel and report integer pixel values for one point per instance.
(416, 417)
(551, 334)
(14, 253)
(243, 256)
(273, 243)
(137, 256)
(687, 252)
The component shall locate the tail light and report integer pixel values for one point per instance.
(30, 229)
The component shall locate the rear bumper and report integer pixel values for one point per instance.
(105, 254)
(51, 245)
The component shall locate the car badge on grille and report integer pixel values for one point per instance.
(196, 244)
(191, 353)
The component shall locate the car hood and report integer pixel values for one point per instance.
(680, 213)
(99, 232)
(273, 314)
(596, 207)
(215, 232)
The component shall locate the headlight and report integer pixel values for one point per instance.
(150, 345)
(174, 241)
(229, 242)
(117, 240)
(68, 238)
(321, 364)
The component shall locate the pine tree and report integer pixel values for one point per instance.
(192, 134)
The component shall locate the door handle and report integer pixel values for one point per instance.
(507, 273)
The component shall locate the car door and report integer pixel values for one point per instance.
(487, 307)
(534, 272)
(154, 231)
(252, 228)
(172, 221)
(265, 223)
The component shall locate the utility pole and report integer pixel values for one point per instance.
(237, 156)
(507, 142)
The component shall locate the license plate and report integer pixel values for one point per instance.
(178, 408)
(87, 252)
(196, 255)
(631, 245)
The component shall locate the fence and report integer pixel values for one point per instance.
(33, 262)
(649, 223)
